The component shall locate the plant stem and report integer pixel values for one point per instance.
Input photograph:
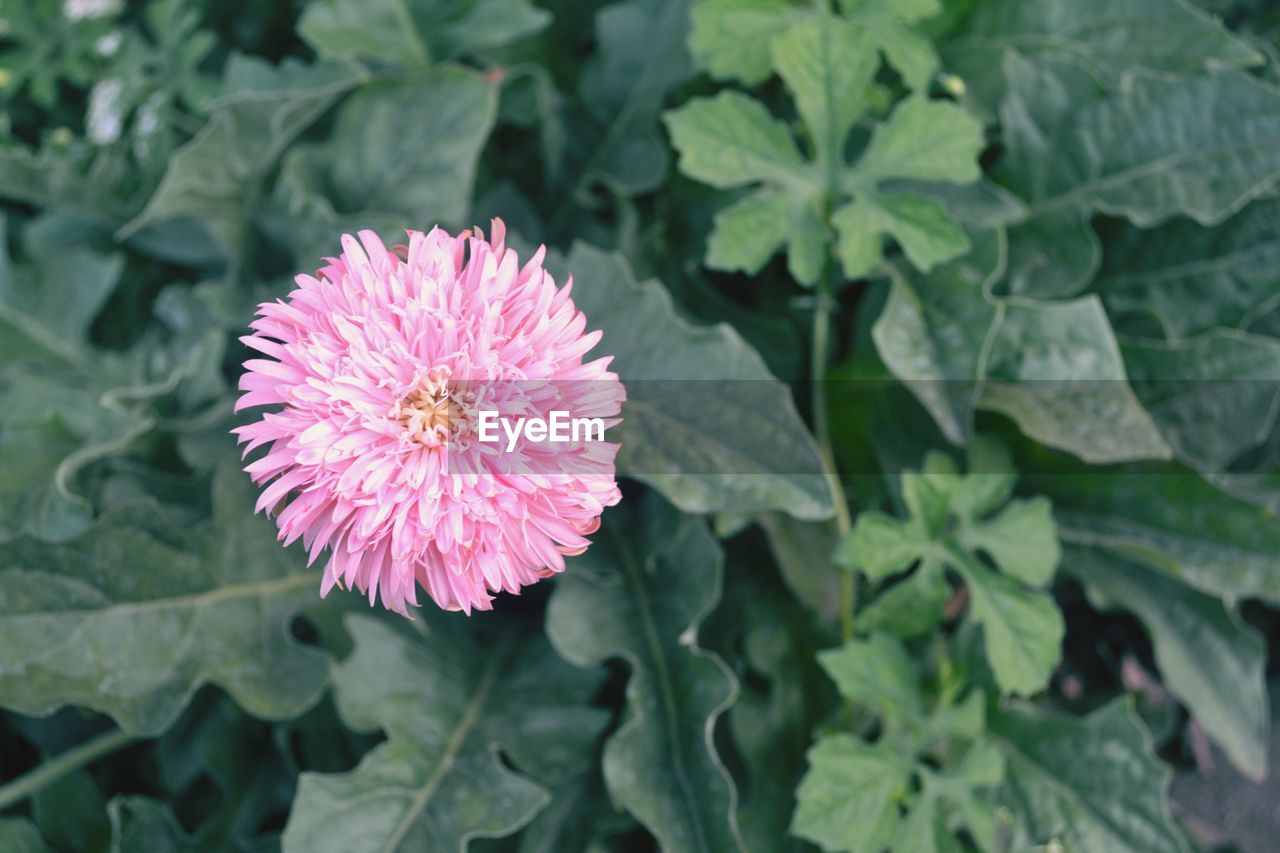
(822, 428)
(54, 769)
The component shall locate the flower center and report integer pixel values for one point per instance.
(435, 411)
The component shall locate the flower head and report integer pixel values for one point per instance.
(380, 365)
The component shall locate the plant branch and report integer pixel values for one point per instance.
(54, 769)
(822, 429)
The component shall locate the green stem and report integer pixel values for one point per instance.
(822, 428)
(53, 770)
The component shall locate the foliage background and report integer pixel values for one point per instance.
(1016, 260)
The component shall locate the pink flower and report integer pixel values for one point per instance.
(380, 366)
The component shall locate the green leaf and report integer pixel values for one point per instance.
(52, 304)
(408, 148)
(1054, 256)
(922, 140)
(19, 835)
(81, 624)
(877, 671)
(912, 607)
(1090, 784)
(707, 451)
(803, 552)
(1214, 396)
(927, 235)
(640, 595)
(31, 503)
(1069, 152)
(732, 140)
(415, 33)
(1022, 628)
(641, 56)
(1208, 657)
(71, 812)
(948, 524)
(734, 38)
(577, 818)
(745, 235)
(1110, 37)
(881, 545)
(1056, 369)
(448, 701)
(1191, 278)
(848, 799)
(829, 67)
(1021, 539)
(380, 30)
(934, 330)
(1170, 518)
(216, 177)
(141, 823)
(775, 710)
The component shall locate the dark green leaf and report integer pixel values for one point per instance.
(1090, 784)
(1207, 656)
(681, 433)
(448, 701)
(134, 616)
(640, 595)
(1110, 37)
(216, 177)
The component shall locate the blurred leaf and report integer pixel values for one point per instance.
(1110, 37)
(71, 812)
(919, 783)
(1170, 518)
(803, 553)
(1056, 369)
(1207, 656)
(1091, 784)
(734, 38)
(1054, 256)
(877, 671)
(578, 815)
(681, 433)
(449, 702)
(141, 823)
(640, 595)
(778, 700)
(80, 623)
(1071, 151)
(1213, 397)
(216, 177)
(828, 64)
(52, 303)
(1191, 278)
(912, 607)
(19, 835)
(415, 33)
(848, 799)
(950, 520)
(640, 57)
(1021, 630)
(408, 147)
(934, 331)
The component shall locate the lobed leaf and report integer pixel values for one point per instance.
(81, 624)
(640, 593)
(1091, 784)
(706, 451)
(1207, 656)
(449, 701)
